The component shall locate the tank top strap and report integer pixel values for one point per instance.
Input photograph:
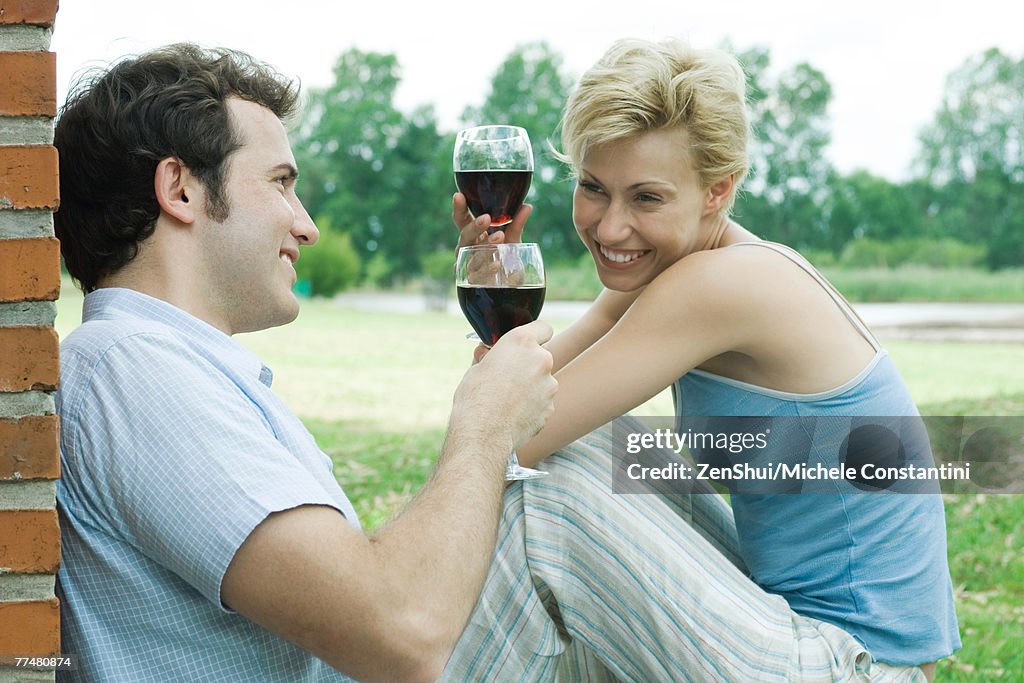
(840, 300)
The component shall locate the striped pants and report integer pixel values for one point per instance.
(590, 586)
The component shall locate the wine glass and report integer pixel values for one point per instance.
(493, 169)
(501, 286)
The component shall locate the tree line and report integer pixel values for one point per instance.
(379, 181)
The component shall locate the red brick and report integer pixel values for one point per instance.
(28, 177)
(29, 541)
(35, 12)
(29, 269)
(28, 83)
(30, 627)
(29, 448)
(29, 359)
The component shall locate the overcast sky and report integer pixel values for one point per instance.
(886, 59)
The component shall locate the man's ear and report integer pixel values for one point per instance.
(176, 190)
(717, 194)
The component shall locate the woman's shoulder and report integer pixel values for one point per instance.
(740, 289)
(716, 291)
(732, 269)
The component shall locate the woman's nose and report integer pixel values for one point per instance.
(614, 226)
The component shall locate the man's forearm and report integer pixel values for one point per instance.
(391, 606)
(439, 550)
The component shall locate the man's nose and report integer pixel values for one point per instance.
(304, 229)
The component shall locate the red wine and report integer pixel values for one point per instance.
(493, 311)
(499, 193)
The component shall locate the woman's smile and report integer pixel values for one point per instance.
(620, 258)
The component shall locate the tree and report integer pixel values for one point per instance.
(332, 266)
(973, 155)
(864, 205)
(373, 172)
(529, 90)
(421, 182)
(980, 123)
(788, 184)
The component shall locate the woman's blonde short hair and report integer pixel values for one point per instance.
(638, 86)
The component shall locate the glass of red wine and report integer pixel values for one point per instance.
(501, 286)
(493, 169)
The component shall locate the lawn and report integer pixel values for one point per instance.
(375, 390)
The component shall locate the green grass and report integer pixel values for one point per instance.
(375, 390)
(920, 283)
(380, 469)
(578, 282)
(986, 539)
(939, 372)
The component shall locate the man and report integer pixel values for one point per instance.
(204, 535)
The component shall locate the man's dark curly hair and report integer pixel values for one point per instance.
(117, 126)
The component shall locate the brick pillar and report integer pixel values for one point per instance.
(29, 286)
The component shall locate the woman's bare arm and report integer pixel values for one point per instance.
(693, 311)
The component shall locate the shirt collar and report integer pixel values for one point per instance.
(115, 303)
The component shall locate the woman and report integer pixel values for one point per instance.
(656, 135)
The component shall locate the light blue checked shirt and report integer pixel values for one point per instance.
(173, 450)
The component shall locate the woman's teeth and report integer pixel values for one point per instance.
(620, 256)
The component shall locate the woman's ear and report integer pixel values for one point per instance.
(175, 187)
(717, 194)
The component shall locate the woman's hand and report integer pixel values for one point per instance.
(475, 231)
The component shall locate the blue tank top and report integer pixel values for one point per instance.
(873, 564)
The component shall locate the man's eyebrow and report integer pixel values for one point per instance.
(286, 168)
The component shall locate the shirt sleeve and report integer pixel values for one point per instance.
(179, 462)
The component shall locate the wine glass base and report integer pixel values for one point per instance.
(516, 472)
(520, 473)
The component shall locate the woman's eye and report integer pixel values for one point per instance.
(588, 187)
(644, 197)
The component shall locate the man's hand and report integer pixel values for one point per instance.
(509, 391)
